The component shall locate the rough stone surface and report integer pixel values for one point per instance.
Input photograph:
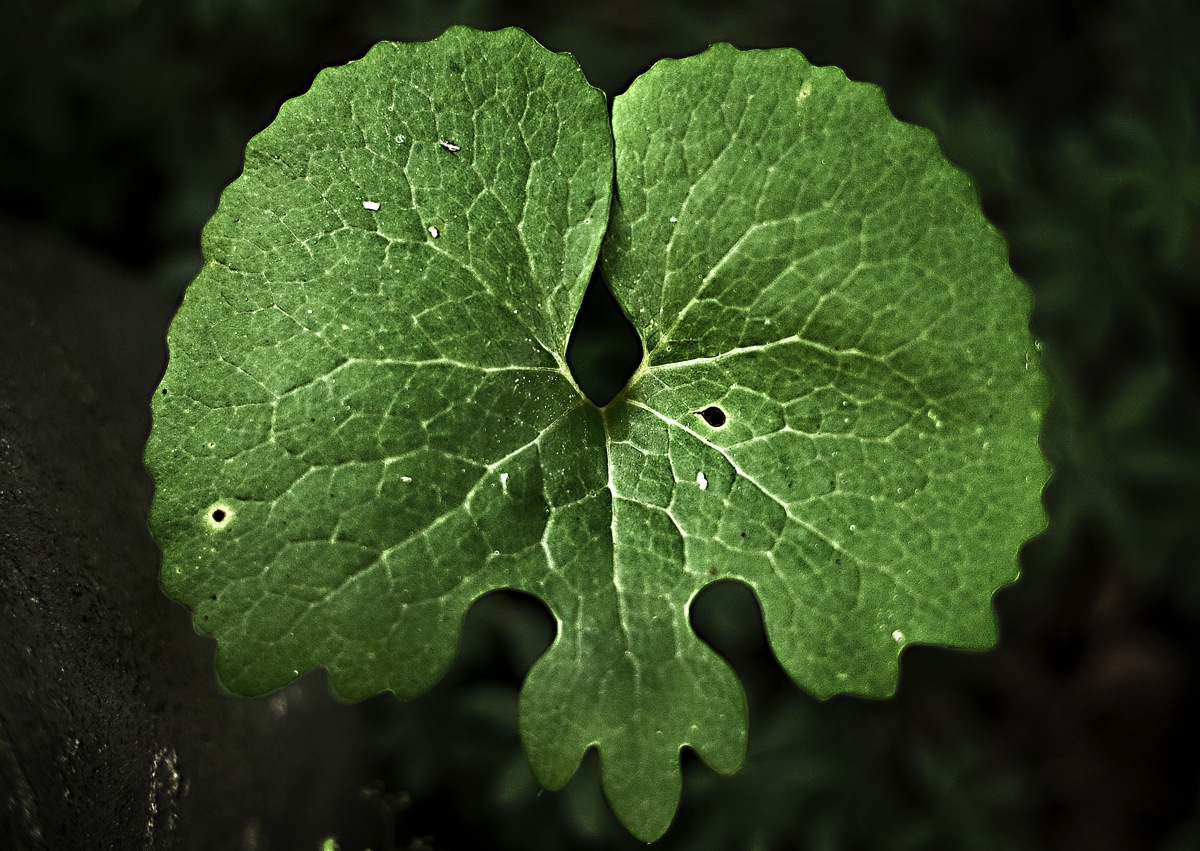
(113, 732)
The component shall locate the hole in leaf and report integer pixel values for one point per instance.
(604, 349)
(217, 516)
(713, 415)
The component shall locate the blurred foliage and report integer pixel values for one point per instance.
(1079, 121)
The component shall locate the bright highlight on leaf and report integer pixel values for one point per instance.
(368, 421)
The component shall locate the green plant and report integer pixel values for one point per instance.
(369, 421)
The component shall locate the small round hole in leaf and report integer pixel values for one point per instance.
(218, 515)
(713, 415)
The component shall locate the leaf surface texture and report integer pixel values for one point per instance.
(368, 422)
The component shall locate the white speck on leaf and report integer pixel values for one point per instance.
(450, 146)
(504, 482)
(400, 139)
(673, 220)
(434, 232)
(370, 205)
(406, 479)
(702, 481)
(898, 635)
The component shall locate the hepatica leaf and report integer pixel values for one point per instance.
(368, 422)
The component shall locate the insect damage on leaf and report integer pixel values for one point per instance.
(388, 404)
(713, 415)
(218, 516)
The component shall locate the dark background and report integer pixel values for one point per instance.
(120, 123)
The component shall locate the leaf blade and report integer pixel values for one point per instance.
(799, 258)
(377, 331)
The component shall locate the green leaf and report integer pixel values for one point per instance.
(368, 421)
